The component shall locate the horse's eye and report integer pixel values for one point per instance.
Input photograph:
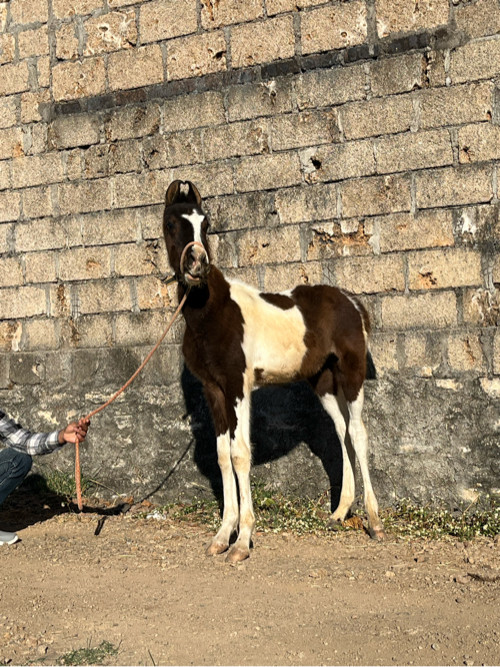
(170, 225)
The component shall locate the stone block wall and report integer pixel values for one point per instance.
(355, 143)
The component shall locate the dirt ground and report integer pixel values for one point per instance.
(146, 586)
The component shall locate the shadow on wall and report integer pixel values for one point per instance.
(283, 417)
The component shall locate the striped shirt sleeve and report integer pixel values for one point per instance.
(18, 438)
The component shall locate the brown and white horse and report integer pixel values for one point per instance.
(238, 338)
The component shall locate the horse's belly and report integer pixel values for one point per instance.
(275, 363)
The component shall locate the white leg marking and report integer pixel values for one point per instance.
(241, 458)
(220, 542)
(359, 439)
(331, 404)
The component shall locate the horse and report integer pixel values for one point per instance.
(238, 338)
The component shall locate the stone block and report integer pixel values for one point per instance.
(5, 175)
(377, 116)
(475, 60)
(191, 111)
(430, 310)
(438, 269)
(37, 170)
(479, 143)
(95, 331)
(44, 234)
(453, 186)
(322, 88)
(14, 78)
(306, 128)
(7, 48)
(110, 32)
(212, 179)
(66, 8)
(133, 259)
(10, 335)
(329, 240)
(104, 296)
(397, 74)
(280, 6)
(263, 42)
(74, 130)
(133, 122)
(21, 302)
(407, 15)
(166, 19)
(30, 103)
(455, 105)
(37, 202)
(84, 264)
(253, 209)
(413, 150)
(26, 11)
(11, 272)
(284, 277)
(196, 55)
(27, 369)
(41, 334)
(67, 45)
(333, 27)
(235, 139)
(338, 161)
(152, 294)
(375, 196)
(40, 267)
(172, 150)
(84, 197)
(33, 42)
(10, 208)
(278, 245)
(110, 227)
(479, 19)
(496, 353)
(72, 80)
(227, 12)
(135, 68)
(43, 71)
(139, 189)
(419, 354)
(263, 172)
(8, 112)
(142, 328)
(269, 98)
(11, 142)
(307, 203)
(407, 231)
(369, 275)
(465, 352)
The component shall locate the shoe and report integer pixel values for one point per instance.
(7, 538)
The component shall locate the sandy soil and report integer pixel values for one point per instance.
(146, 586)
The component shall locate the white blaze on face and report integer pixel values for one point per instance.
(195, 219)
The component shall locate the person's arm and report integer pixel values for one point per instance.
(35, 444)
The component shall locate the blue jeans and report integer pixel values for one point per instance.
(14, 466)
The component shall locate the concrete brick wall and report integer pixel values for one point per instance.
(355, 143)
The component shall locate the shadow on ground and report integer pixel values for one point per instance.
(283, 417)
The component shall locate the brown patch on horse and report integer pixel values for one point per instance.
(279, 300)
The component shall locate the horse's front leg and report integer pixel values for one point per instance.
(241, 459)
(220, 542)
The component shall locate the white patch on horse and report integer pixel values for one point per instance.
(195, 219)
(273, 340)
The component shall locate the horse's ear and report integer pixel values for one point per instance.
(182, 191)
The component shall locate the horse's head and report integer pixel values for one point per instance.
(185, 228)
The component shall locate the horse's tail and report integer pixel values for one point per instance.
(371, 371)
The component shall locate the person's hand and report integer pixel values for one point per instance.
(73, 431)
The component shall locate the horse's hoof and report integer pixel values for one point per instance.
(216, 548)
(334, 524)
(237, 554)
(377, 534)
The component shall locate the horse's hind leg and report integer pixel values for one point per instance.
(332, 405)
(359, 439)
(326, 386)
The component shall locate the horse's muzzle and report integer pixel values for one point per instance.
(194, 264)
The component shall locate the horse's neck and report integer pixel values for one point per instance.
(206, 301)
